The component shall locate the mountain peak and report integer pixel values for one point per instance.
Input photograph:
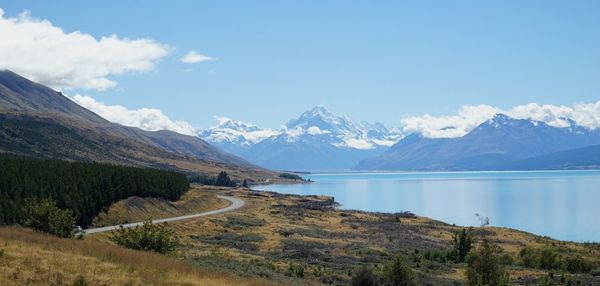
(318, 116)
(320, 110)
(228, 123)
(235, 136)
(501, 117)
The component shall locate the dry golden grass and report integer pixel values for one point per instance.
(136, 209)
(43, 260)
(260, 207)
(33, 258)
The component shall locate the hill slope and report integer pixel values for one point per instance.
(38, 121)
(34, 258)
(580, 158)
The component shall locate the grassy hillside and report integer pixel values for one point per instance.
(277, 234)
(303, 240)
(32, 258)
(286, 239)
(136, 209)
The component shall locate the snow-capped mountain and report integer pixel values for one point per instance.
(340, 131)
(321, 140)
(234, 136)
(316, 140)
(494, 144)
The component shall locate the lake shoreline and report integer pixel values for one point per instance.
(549, 203)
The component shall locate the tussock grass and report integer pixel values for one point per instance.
(33, 258)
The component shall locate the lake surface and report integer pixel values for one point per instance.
(559, 204)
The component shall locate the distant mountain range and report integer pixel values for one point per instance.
(38, 121)
(500, 143)
(316, 140)
(319, 140)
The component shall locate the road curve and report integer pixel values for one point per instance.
(235, 204)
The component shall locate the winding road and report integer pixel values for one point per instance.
(235, 204)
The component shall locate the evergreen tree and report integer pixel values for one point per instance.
(82, 188)
(223, 180)
(462, 244)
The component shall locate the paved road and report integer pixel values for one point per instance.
(235, 204)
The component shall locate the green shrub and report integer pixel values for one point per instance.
(529, 257)
(549, 259)
(461, 245)
(365, 277)
(441, 256)
(577, 264)
(44, 215)
(398, 273)
(1, 252)
(296, 270)
(506, 259)
(563, 280)
(484, 266)
(148, 237)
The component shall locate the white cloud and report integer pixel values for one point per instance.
(587, 114)
(150, 119)
(45, 53)
(469, 117)
(314, 130)
(193, 57)
(553, 115)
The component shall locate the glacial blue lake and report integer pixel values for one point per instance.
(560, 204)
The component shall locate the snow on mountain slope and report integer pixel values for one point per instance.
(321, 140)
(235, 136)
(340, 131)
(317, 139)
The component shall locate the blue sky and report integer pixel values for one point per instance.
(372, 60)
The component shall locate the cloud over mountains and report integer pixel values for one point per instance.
(470, 116)
(149, 119)
(44, 53)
